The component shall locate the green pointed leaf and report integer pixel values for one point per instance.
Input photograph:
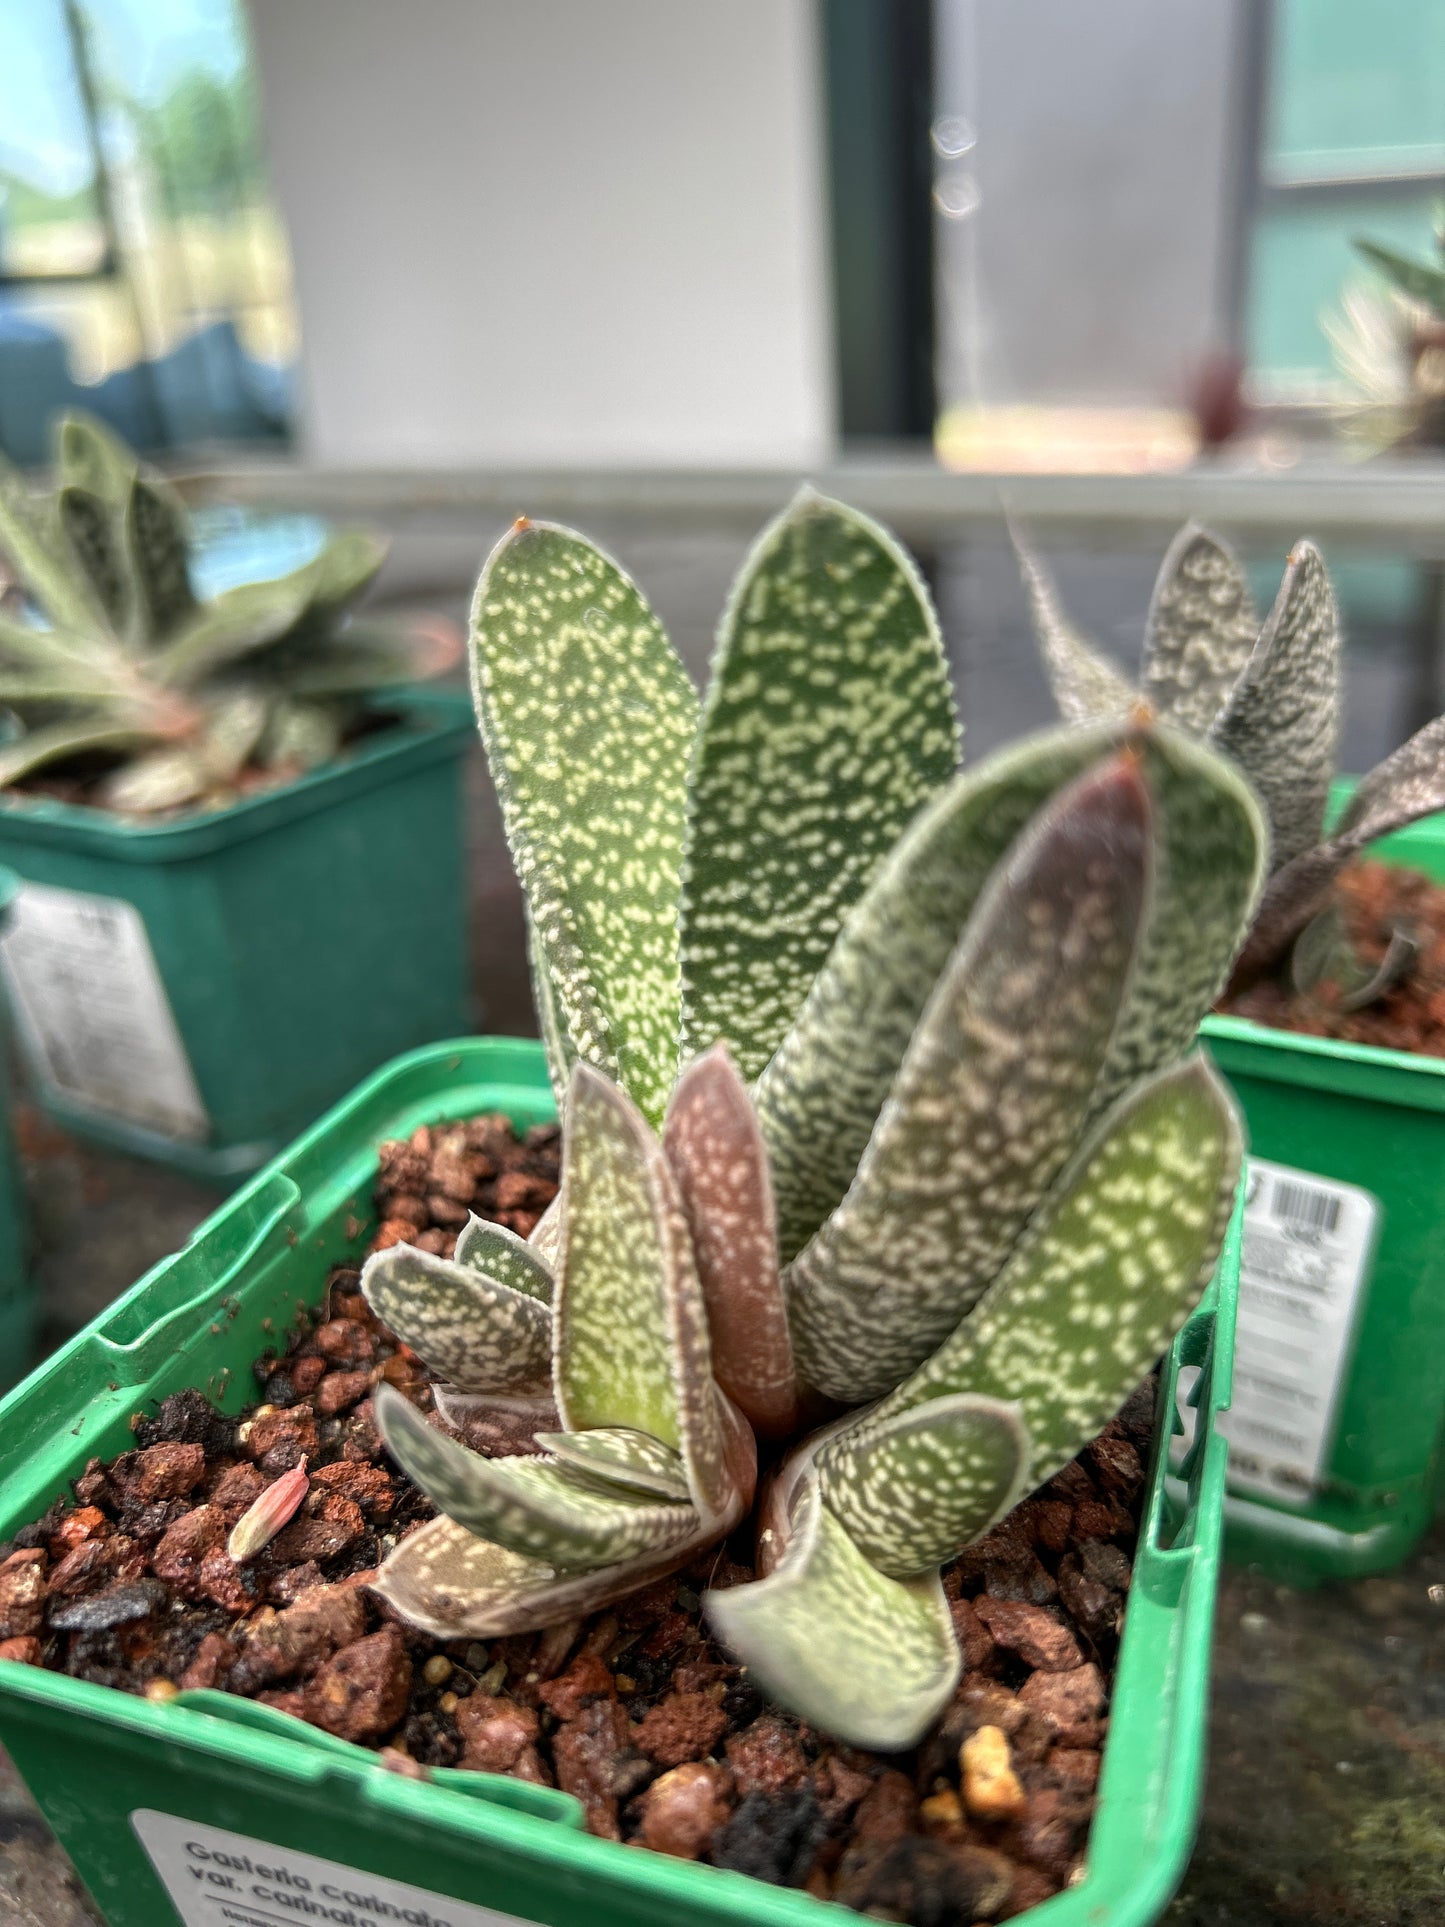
(1408, 785)
(33, 542)
(491, 1248)
(163, 779)
(96, 476)
(158, 539)
(1292, 898)
(481, 1335)
(370, 655)
(869, 1659)
(588, 720)
(1201, 630)
(447, 1582)
(1112, 1265)
(55, 741)
(818, 1099)
(915, 1489)
(231, 626)
(75, 663)
(347, 564)
(631, 1334)
(300, 735)
(621, 1459)
(718, 1157)
(829, 719)
(1212, 851)
(526, 1504)
(235, 724)
(1421, 280)
(560, 1051)
(1282, 722)
(992, 1094)
(1086, 685)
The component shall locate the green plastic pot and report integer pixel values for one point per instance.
(1372, 1396)
(111, 1771)
(272, 953)
(19, 1298)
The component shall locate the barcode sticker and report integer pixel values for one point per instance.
(1303, 1271)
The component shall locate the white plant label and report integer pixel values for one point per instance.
(220, 1879)
(92, 1011)
(1304, 1266)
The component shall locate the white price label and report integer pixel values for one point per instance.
(221, 1879)
(1304, 1266)
(92, 1011)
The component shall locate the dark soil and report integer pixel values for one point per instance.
(1375, 900)
(636, 1711)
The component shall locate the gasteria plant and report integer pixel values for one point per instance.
(1268, 697)
(122, 657)
(974, 1184)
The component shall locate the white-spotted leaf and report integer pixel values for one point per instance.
(479, 1334)
(995, 1086)
(1201, 629)
(869, 1659)
(588, 720)
(485, 1246)
(828, 721)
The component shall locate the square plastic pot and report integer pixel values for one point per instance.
(19, 1297)
(198, 990)
(96, 1759)
(1340, 1345)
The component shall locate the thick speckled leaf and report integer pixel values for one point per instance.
(1409, 784)
(561, 1052)
(347, 563)
(1201, 629)
(915, 1489)
(1421, 280)
(300, 735)
(1212, 851)
(718, 1157)
(528, 1505)
(55, 740)
(818, 1099)
(448, 1582)
(369, 655)
(479, 1334)
(158, 540)
(1112, 1265)
(95, 476)
(1292, 898)
(498, 1252)
(828, 721)
(161, 779)
(631, 1330)
(232, 625)
(618, 1458)
(588, 719)
(1087, 687)
(988, 1104)
(1282, 722)
(869, 1659)
(33, 543)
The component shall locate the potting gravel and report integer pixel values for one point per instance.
(636, 1712)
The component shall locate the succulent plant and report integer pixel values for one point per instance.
(1388, 347)
(881, 1129)
(1268, 697)
(115, 653)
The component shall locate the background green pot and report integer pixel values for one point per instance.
(19, 1299)
(275, 952)
(1347, 1355)
(111, 1771)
